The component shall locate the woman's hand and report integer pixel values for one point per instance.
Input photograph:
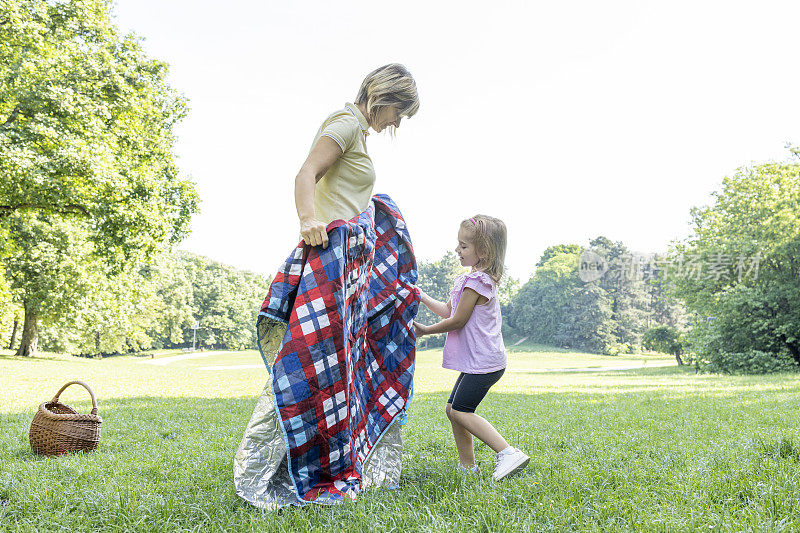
(420, 329)
(313, 232)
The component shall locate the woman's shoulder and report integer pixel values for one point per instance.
(345, 115)
(342, 126)
(342, 122)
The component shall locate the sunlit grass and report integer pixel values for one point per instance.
(649, 449)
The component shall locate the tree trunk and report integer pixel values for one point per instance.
(30, 334)
(678, 358)
(14, 333)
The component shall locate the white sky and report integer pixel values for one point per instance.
(566, 119)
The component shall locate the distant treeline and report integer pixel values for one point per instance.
(152, 307)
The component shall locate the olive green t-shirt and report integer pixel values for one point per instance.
(346, 188)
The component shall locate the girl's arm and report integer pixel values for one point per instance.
(440, 308)
(463, 311)
(324, 154)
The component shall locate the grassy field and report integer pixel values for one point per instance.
(651, 449)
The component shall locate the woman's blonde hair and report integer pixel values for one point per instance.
(488, 234)
(389, 85)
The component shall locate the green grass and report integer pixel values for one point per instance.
(655, 449)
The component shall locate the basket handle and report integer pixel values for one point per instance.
(82, 384)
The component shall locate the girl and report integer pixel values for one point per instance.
(474, 344)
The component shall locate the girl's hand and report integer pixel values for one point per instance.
(420, 329)
(313, 232)
(440, 308)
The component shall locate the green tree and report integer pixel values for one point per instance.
(558, 249)
(587, 321)
(86, 133)
(624, 285)
(539, 307)
(664, 339)
(9, 312)
(506, 292)
(747, 245)
(111, 315)
(86, 127)
(556, 307)
(47, 271)
(509, 287)
(664, 308)
(608, 315)
(174, 301)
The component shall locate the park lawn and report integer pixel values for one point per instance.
(649, 449)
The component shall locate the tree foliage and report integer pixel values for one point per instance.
(558, 249)
(86, 127)
(754, 298)
(224, 300)
(156, 307)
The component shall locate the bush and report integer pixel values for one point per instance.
(752, 362)
(618, 348)
(706, 350)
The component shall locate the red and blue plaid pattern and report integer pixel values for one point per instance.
(344, 371)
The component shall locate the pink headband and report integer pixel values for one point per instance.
(473, 221)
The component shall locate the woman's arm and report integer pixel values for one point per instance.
(463, 311)
(440, 308)
(324, 154)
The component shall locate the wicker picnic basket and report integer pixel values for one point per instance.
(58, 428)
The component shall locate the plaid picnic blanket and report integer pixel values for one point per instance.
(343, 373)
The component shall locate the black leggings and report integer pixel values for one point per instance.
(470, 389)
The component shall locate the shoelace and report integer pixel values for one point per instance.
(497, 463)
(499, 459)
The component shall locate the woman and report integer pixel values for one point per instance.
(334, 183)
(336, 180)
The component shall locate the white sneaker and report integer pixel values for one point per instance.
(509, 463)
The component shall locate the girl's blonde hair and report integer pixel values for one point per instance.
(389, 85)
(489, 237)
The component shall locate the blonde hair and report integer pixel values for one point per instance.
(488, 234)
(389, 85)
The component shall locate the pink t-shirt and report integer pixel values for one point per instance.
(478, 347)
